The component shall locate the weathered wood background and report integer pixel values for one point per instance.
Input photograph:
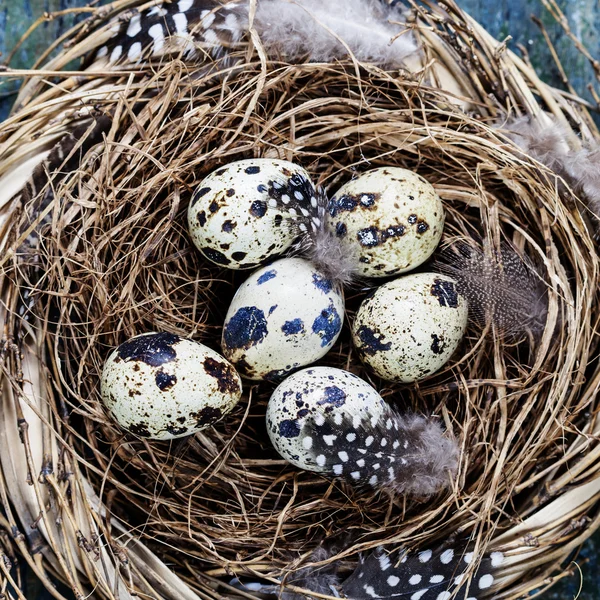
(502, 18)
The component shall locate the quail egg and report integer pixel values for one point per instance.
(161, 386)
(244, 213)
(389, 219)
(411, 326)
(284, 316)
(315, 403)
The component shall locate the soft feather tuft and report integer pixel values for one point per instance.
(314, 29)
(323, 247)
(549, 143)
(500, 287)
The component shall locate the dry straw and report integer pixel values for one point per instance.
(113, 515)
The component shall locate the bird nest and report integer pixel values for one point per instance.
(103, 509)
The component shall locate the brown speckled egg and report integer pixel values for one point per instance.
(161, 386)
(245, 212)
(390, 219)
(410, 327)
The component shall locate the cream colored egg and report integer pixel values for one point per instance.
(410, 327)
(161, 386)
(320, 402)
(284, 316)
(390, 219)
(239, 216)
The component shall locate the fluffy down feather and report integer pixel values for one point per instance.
(371, 30)
(549, 144)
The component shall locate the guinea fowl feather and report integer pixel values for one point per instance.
(500, 287)
(408, 454)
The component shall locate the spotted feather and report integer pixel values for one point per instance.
(438, 574)
(404, 453)
(184, 26)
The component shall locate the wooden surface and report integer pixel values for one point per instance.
(501, 17)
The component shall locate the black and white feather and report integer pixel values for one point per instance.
(425, 574)
(408, 454)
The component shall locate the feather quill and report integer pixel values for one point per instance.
(500, 287)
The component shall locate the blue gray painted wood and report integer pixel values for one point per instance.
(500, 17)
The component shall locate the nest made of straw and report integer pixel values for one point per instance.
(117, 261)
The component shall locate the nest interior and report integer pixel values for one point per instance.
(118, 261)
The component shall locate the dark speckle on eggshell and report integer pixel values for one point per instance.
(165, 381)
(154, 349)
(334, 396)
(224, 373)
(246, 328)
(176, 431)
(207, 416)
(322, 283)
(327, 324)
(199, 193)
(228, 226)
(292, 327)
(238, 256)
(422, 227)
(258, 208)
(445, 292)
(437, 344)
(140, 429)
(289, 428)
(215, 256)
(201, 218)
(252, 170)
(266, 276)
(371, 342)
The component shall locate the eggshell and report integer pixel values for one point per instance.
(321, 395)
(410, 327)
(390, 219)
(161, 386)
(284, 316)
(237, 217)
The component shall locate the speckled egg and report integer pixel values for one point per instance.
(161, 386)
(411, 326)
(284, 316)
(390, 219)
(311, 403)
(237, 216)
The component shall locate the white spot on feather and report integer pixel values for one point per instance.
(116, 53)
(415, 579)
(135, 26)
(393, 581)
(158, 36)
(447, 556)
(134, 51)
(485, 582)
(425, 556)
(321, 460)
(185, 5)
(181, 23)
